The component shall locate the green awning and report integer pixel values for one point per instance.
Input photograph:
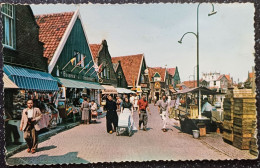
(71, 83)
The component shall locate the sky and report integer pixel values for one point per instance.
(226, 39)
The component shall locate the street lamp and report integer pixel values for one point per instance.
(197, 37)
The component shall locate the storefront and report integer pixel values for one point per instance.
(23, 84)
(70, 92)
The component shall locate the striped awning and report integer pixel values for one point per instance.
(124, 90)
(109, 89)
(8, 84)
(71, 83)
(29, 79)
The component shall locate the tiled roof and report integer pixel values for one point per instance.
(171, 71)
(221, 76)
(251, 75)
(190, 84)
(115, 66)
(94, 50)
(160, 70)
(131, 65)
(52, 29)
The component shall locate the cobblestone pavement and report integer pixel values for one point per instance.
(91, 144)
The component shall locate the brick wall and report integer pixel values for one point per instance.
(29, 50)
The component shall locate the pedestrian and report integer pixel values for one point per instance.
(177, 103)
(111, 116)
(150, 99)
(118, 102)
(142, 111)
(29, 124)
(85, 111)
(132, 99)
(155, 100)
(163, 108)
(127, 107)
(93, 109)
(135, 102)
(207, 109)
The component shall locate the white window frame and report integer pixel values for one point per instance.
(108, 73)
(7, 16)
(82, 63)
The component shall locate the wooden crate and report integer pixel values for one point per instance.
(253, 146)
(228, 136)
(228, 125)
(228, 117)
(245, 116)
(243, 132)
(243, 93)
(240, 142)
(243, 122)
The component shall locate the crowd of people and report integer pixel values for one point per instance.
(167, 105)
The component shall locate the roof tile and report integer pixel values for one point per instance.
(131, 66)
(52, 28)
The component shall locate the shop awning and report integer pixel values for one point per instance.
(109, 89)
(8, 84)
(70, 83)
(204, 91)
(124, 90)
(29, 79)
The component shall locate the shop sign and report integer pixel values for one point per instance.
(157, 85)
(139, 89)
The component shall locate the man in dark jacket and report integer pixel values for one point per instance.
(111, 115)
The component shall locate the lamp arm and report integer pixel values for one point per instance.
(188, 33)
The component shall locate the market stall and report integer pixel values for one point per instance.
(191, 118)
(70, 91)
(27, 84)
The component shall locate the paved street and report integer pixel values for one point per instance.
(91, 143)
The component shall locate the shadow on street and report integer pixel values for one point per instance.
(70, 157)
(45, 148)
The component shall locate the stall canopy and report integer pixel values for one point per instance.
(109, 89)
(124, 90)
(204, 91)
(70, 83)
(29, 79)
(8, 84)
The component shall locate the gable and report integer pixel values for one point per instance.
(133, 62)
(157, 75)
(76, 42)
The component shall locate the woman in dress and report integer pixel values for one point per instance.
(127, 107)
(136, 101)
(85, 111)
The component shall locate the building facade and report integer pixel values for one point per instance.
(69, 57)
(102, 58)
(121, 81)
(135, 70)
(158, 82)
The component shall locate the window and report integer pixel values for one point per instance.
(105, 72)
(142, 78)
(108, 73)
(119, 81)
(82, 63)
(8, 25)
(214, 83)
(156, 77)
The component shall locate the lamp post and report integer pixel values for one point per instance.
(197, 37)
